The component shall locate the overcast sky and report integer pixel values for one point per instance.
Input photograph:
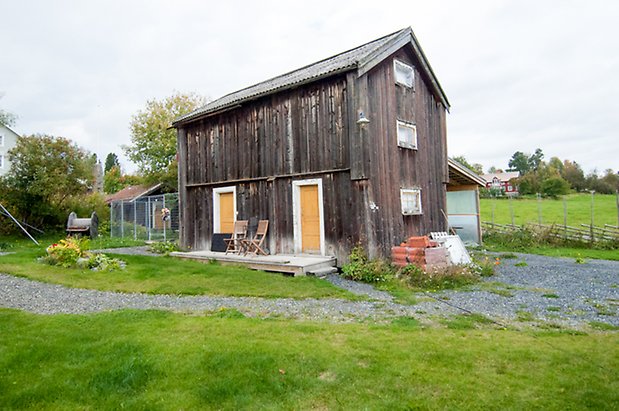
(519, 74)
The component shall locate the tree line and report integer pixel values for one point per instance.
(553, 177)
(50, 176)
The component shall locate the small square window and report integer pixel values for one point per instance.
(411, 201)
(407, 134)
(404, 74)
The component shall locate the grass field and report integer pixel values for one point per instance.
(552, 211)
(167, 275)
(157, 360)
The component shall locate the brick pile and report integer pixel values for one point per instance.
(420, 251)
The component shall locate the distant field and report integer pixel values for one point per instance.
(552, 211)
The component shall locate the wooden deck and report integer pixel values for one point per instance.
(289, 264)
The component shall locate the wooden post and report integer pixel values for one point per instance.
(539, 209)
(511, 209)
(565, 217)
(591, 226)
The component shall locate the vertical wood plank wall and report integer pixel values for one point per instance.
(311, 132)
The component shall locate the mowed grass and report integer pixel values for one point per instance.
(157, 360)
(556, 251)
(578, 210)
(168, 275)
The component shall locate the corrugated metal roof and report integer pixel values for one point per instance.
(338, 63)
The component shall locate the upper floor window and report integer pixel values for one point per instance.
(404, 74)
(407, 134)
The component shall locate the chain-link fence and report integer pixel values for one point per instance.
(147, 218)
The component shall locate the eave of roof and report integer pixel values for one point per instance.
(466, 173)
(363, 58)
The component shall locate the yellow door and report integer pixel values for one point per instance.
(310, 219)
(226, 212)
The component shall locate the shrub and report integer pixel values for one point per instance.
(72, 252)
(361, 268)
(164, 247)
(66, 252)
(101, 262)
(447, 278)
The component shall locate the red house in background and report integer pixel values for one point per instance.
(501, 181)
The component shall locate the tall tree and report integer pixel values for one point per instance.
(573, 174)
(111, 160)
(45, 172)
(6, 118)
(153, 143)
(519, 162)
(475, 167)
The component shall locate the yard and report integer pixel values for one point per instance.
(326, 355)
(158, 360)
(526, 210)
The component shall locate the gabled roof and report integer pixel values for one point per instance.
(362, 58)
(132, 193)
(504, 176)
(461, 175)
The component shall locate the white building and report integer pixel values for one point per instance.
(8, 139)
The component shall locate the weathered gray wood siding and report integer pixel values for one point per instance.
(261, 148)
(308, 132)
(392, 167)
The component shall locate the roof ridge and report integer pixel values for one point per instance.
(274, 83)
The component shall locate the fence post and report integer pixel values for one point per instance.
(539, 209)
(148, 218)
(565, 217)
(122, 219)
(164, 221)
(591, 226)
(135, 220)
(112, 218)
(511, 209)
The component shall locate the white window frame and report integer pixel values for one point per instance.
(216, 206)
(406, 209)
(404, 81)
(296, 213)
(405, 143)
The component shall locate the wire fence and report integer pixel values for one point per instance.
(152, 218)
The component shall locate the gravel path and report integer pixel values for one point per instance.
(533, 288)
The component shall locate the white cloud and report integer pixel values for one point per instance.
(519, 74)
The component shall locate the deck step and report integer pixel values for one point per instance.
(323, 272)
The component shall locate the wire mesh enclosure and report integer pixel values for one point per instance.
(147, 218)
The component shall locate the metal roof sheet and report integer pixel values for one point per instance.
(342, 62)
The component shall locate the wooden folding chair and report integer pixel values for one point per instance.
(234, 243)
(254, 245)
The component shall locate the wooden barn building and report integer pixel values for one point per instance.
(348, 150)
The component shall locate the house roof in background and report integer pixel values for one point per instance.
(362, 58)
(504, 176)
(132, 193)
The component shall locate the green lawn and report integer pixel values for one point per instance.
(555, 251)
(158, 360)
(526, 210)
(168, 275)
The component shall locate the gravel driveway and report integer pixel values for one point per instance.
(529, 288)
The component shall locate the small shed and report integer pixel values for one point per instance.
(132, 193)
(463, 202)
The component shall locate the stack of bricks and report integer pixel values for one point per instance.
(420, 251)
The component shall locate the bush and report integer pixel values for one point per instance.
(454, 276)
(164, 247)
(66, 252)
(72, 252)
(361, 268)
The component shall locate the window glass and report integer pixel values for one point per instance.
(404, 74)
(411, 201)
(407, 134)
